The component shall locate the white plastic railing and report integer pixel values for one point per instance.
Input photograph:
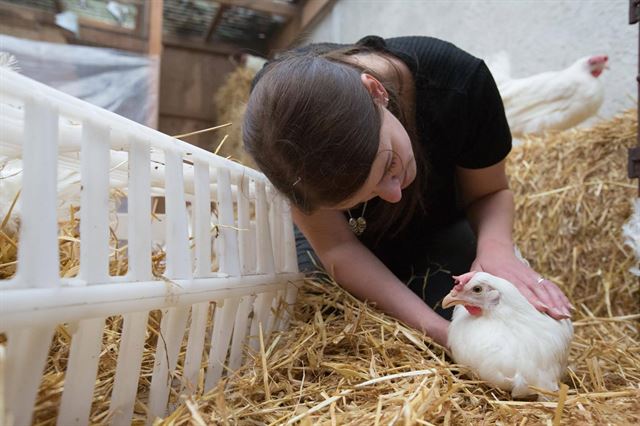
(253, 246)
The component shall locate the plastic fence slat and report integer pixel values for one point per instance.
(277, 237)
(125, 383)
(26, 357)
(94, 202)
(290, 299)
(270, 313)
(290, 255)
(178, 252)
(261, 305)
(279, 308)
(172, 327)
(266, 264)
(202, 228)
(38, 259)
(139, 211)
(240, 330)
(229, 262)
(195, 345)
(247, 250)
(224, 318)
(80, 377)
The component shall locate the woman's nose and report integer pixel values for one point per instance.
(390, 189)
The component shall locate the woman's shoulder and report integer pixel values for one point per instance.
(441, 62)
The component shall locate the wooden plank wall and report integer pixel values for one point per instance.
(189, 79)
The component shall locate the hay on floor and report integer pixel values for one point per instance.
(342, 362)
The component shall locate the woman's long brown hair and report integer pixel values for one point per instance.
(314, 130)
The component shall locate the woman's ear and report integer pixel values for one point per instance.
(375, 88)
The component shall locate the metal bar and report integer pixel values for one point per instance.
(633, 168)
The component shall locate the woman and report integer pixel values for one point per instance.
(392, 153)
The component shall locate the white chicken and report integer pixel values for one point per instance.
(553, 100)
(498, 334)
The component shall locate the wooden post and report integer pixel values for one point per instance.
(308, 15)
(154, 49)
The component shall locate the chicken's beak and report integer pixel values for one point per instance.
(451, 299)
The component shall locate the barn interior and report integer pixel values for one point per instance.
(341, 360)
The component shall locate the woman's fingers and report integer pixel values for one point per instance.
(550, 297)
(560, 301)
(544, 295)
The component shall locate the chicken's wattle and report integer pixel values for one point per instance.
(473, 310)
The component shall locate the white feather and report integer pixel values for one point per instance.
(511, 346)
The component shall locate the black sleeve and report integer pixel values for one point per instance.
(488, 138)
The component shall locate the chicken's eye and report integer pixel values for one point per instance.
(477, 289)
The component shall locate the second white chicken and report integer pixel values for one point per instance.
(552, 100)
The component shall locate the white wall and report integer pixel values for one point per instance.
(539, 35)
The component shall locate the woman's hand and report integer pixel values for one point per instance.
(490, 211)
(499, 259)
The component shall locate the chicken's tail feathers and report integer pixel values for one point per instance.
(500, 66)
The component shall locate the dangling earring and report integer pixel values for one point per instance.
(358, 225)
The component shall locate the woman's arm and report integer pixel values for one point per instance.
(362, 274)
(490, 209)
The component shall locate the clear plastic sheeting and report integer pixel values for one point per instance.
(118, 81)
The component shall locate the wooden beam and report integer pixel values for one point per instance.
(91, 36)
(155, 27)
(59, 6)
(141, 16)
(267, 6)
(198, 45)
(215, 21)
(154, 48)
(309, 15)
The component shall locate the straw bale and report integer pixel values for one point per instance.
(572, 200)
(343, 362)
(230, 100)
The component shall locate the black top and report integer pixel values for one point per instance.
(460, 121)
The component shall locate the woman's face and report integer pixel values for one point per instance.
(393, 169)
